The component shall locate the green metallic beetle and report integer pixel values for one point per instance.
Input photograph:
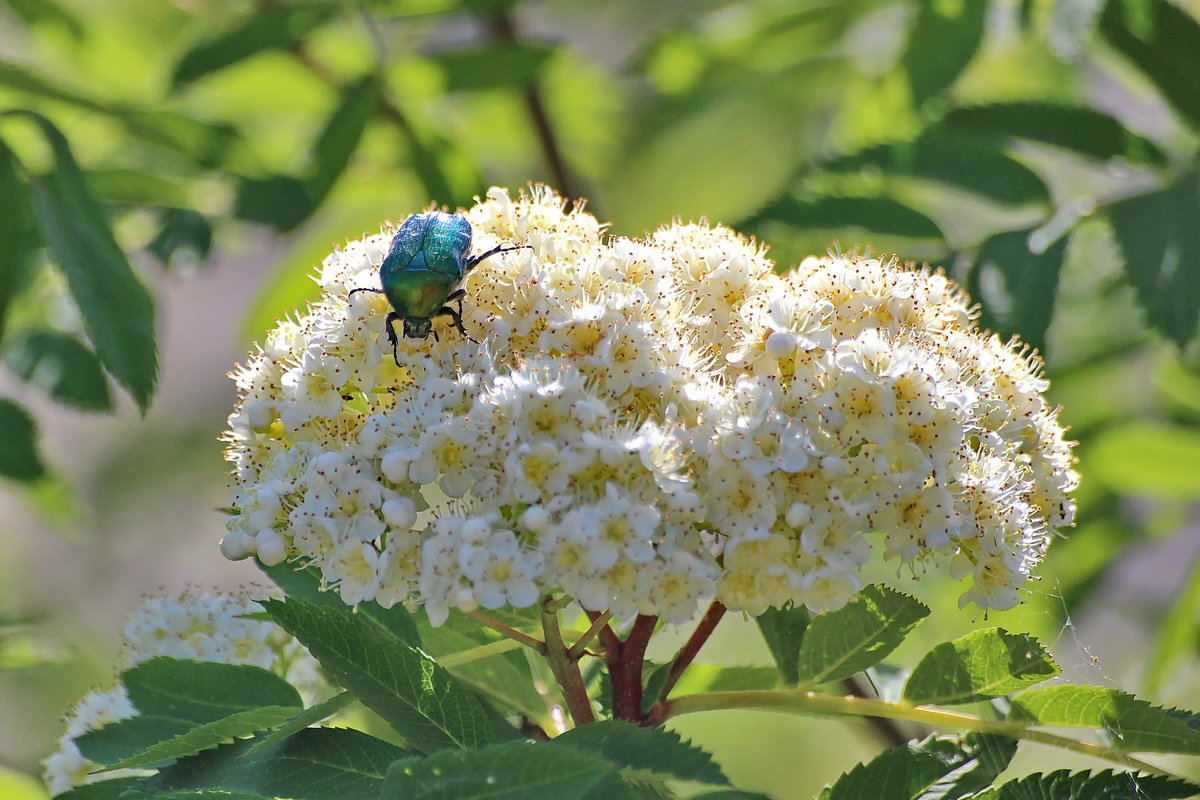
(422, 270)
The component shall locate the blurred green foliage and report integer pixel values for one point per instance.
(1043, 152)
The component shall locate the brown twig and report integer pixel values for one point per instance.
(503, 28)
(625, 670)
(687, 653)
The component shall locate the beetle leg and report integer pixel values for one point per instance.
(391, 334)
(495, 251)
(456, 317)
(364, 289)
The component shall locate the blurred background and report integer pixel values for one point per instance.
(172, 173)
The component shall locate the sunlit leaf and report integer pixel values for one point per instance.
(1134, 725)
(47, 12)
(1152, 459)
(1064, 785)
(342, 133)
(18, 235)
(983, 664)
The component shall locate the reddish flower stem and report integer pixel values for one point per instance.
(625, 670)
(687, 653)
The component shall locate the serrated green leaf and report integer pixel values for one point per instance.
(314, 764)
(1108, 785)
(983, 664)
(304, 719)
(183, 235)
(117, 311)
(871, 214)
(1160, 241)
(62, 367)
(274, 27)
(1163, 41)
(990, 756)
(305, 584)
(1152, 459)
(941, 44)
(924, 769)
(858, 635)
(342, 133)
(976, 164)
(19, 459)
(204, 691)
(18, 233)
(1134, 725)
(1082, 130)
(208, 735)
(617, 787)
(654, 750)
(406, 687)
(492, 65)
(101, 790)
(510, 771)
(120, 740)
(1029, 281)
(504, 677)
(783, 631)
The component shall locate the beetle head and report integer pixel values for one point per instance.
(417, 327)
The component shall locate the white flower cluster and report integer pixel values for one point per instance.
(644, 425)
(198, 627)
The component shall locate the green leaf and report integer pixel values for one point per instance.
(16, 76)
(208, 735)
(406, 687)
(314, 764)
(208, 144)
(858, 635)
(135, 188)
(19, 457)
(1134, 725)
(448, 175)
(504, 677)
(656, 751)
(928, 769)
(942, 42)
(1029, 281)
(492, 65)
(102, 790)
(281, 201)
(274, 27)
(510, 771)
(1082, 130)
(342, 134)
(1108, 785)
(973, 163)
(1152, 459)
(204, 691)
(1160, 241)
(305, 584)
(871, 214)
(783, 631)
(304, 719)
(118, 741)
(990, 756)
(1163, 41)
(983, 664)
(183, 236)
(61, 366)
(47, 12)
(18, 233)
(730, 794)
(118, 313)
